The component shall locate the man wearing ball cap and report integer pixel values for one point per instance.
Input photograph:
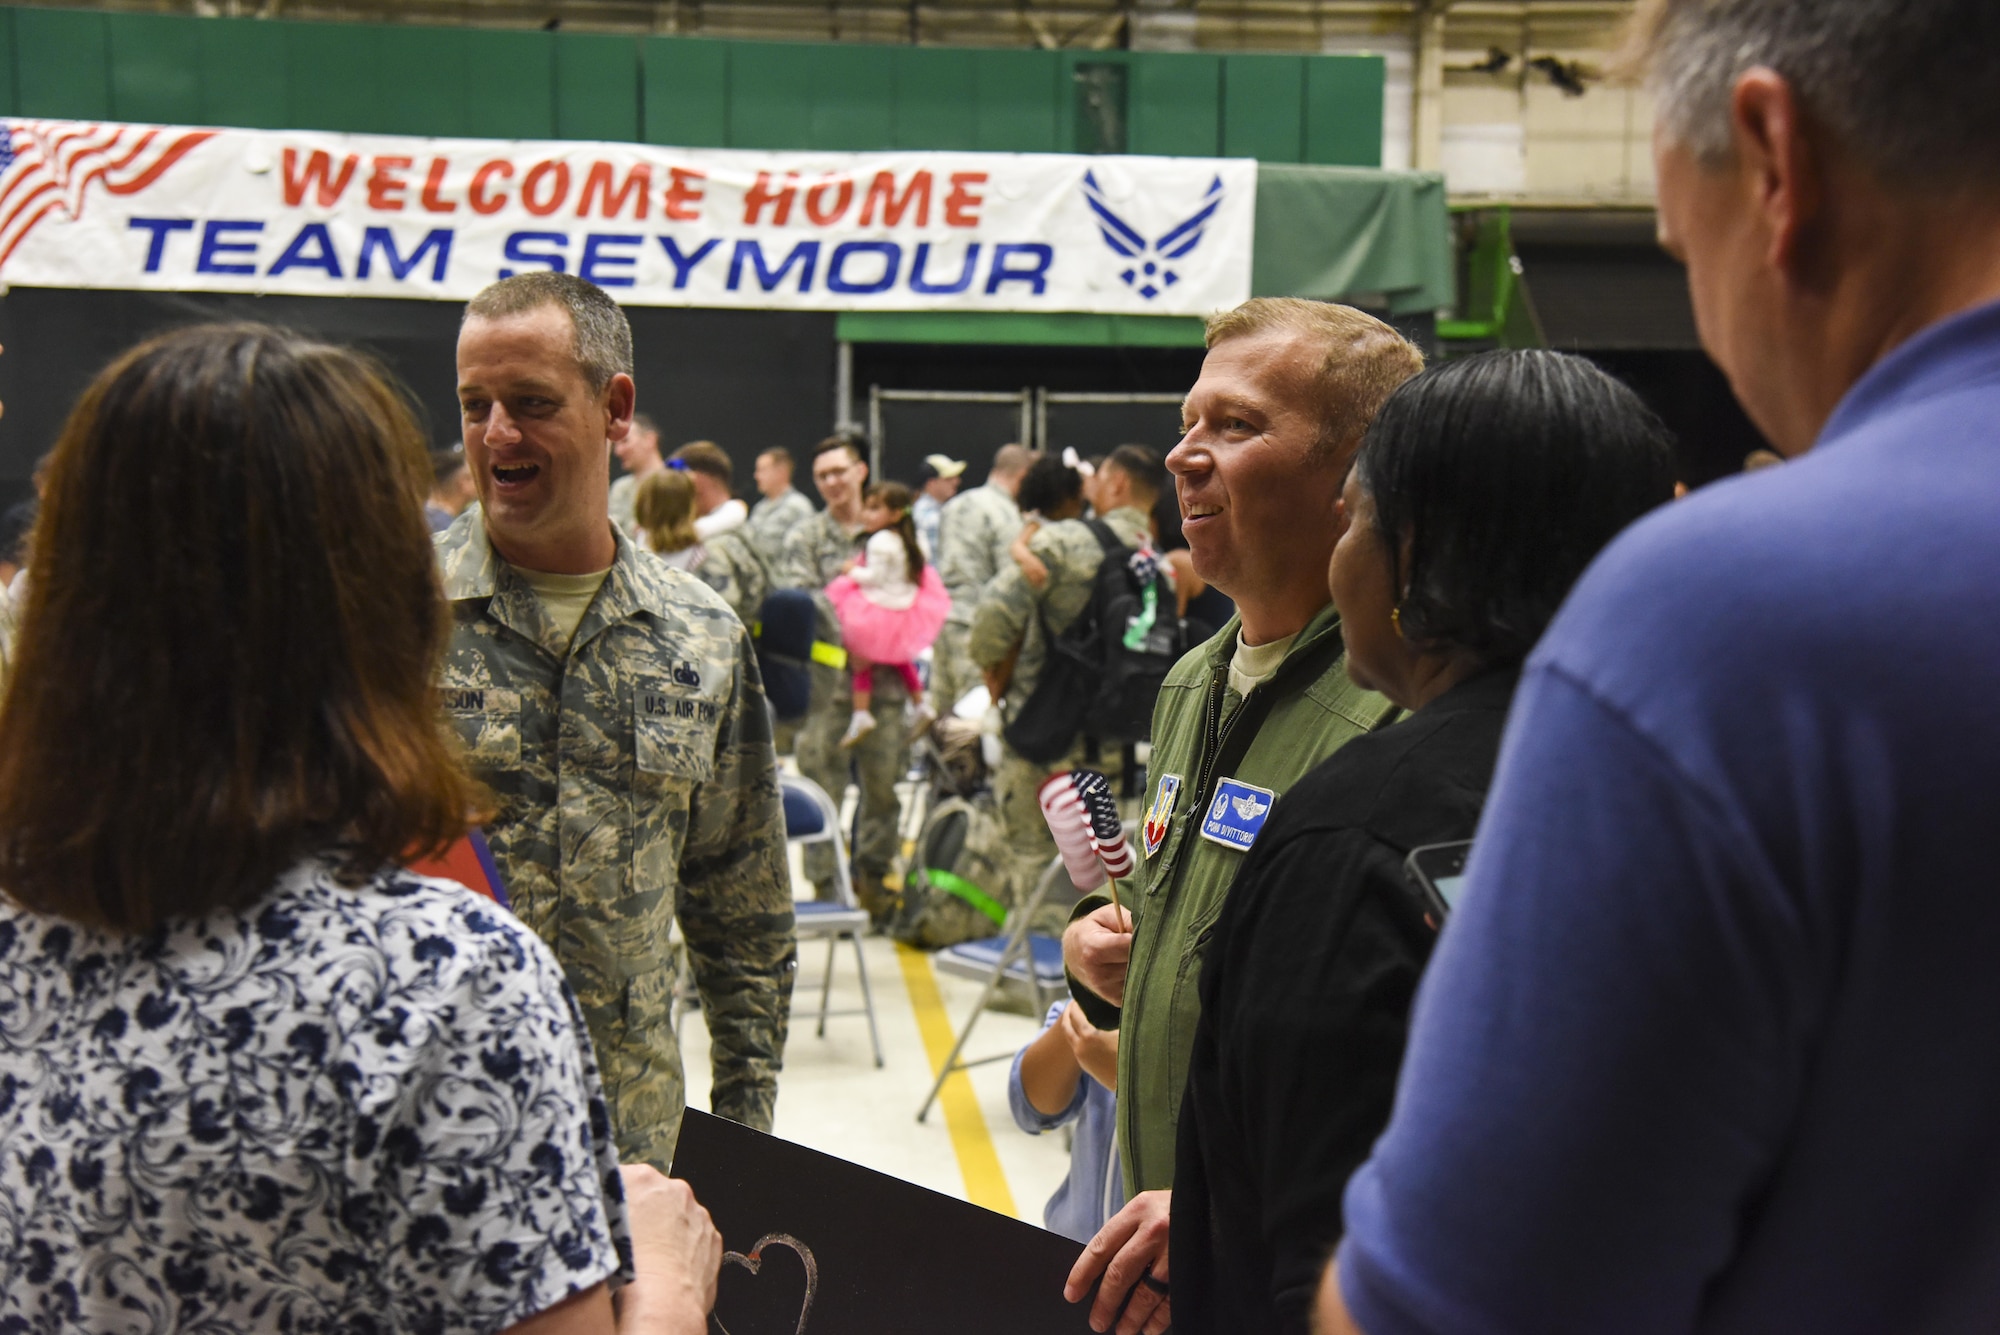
(1286, 390)
(937, 482)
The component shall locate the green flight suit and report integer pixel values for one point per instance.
(1177, 890)
(636, 783)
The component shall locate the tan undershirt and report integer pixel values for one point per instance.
(1252, 663)
(565, 598)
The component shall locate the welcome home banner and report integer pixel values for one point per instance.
(178, 208)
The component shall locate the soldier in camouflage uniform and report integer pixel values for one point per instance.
(729, 564)
(781, 508)
(817, 551)
(974, 533)
(638, 454)
(614, 708)
(1013, 611)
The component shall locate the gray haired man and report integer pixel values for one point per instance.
(1707, 1045)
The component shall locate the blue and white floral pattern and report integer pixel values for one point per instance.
(359, 1110)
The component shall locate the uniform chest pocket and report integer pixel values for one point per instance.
(674, 726)
(488, 721)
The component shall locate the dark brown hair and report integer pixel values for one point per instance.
(230, 648)
(897, 500)
(705, 456)
(842, 440)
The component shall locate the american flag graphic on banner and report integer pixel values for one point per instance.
(47, 166)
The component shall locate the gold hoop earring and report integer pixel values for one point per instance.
(1396, 620)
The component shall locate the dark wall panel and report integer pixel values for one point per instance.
(510, 85)
(1343, 110)
(1176, 106)
(597, 87)
(936, 99)
(686, 93)
(418, 79)
(422, 82)
(771, 95)
(333, 84)
(745, 379)
(156, 70)
(63, 63)
(243, 73)
(1262, 107)
(9, 89)
(854, 104)
(968, 431)
(1692, 396)
(1016, 95)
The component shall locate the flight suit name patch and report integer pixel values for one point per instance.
(1237, 815)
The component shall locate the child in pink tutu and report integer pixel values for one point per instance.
(890, 602)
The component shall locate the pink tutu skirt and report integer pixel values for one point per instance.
(885, 635)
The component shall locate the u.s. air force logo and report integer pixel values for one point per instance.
(1152, 267)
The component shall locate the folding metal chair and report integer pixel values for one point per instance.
(1021, 956)
(812, 818)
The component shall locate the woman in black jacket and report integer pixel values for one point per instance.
(1482, 490)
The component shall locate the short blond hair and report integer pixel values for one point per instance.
(1362, 361)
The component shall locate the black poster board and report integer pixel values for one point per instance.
(819, 1246)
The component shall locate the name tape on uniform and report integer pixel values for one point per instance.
(1236, 816)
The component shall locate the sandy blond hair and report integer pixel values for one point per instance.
(1362, 361)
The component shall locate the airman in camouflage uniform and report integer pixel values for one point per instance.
(631, 755)
(638, 454)
(636, 782)
(731, 566)
(729, 562)
(974, 533)
(772, 521)
(816, 552)
(1013, 610)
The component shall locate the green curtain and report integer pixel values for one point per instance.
(1379, 238)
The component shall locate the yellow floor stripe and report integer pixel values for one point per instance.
(985, 1183)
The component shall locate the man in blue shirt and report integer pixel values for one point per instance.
(1710, 1043)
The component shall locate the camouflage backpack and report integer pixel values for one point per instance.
(948, 895)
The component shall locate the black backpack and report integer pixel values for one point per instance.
(1104, 672)
(783, 638)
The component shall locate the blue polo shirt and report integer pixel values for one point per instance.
(1713, 1043)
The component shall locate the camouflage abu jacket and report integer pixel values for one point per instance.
(624, 501)
(772, 518)
(635, 782)
(1005, 610)
(974, 533)
(731, 566)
